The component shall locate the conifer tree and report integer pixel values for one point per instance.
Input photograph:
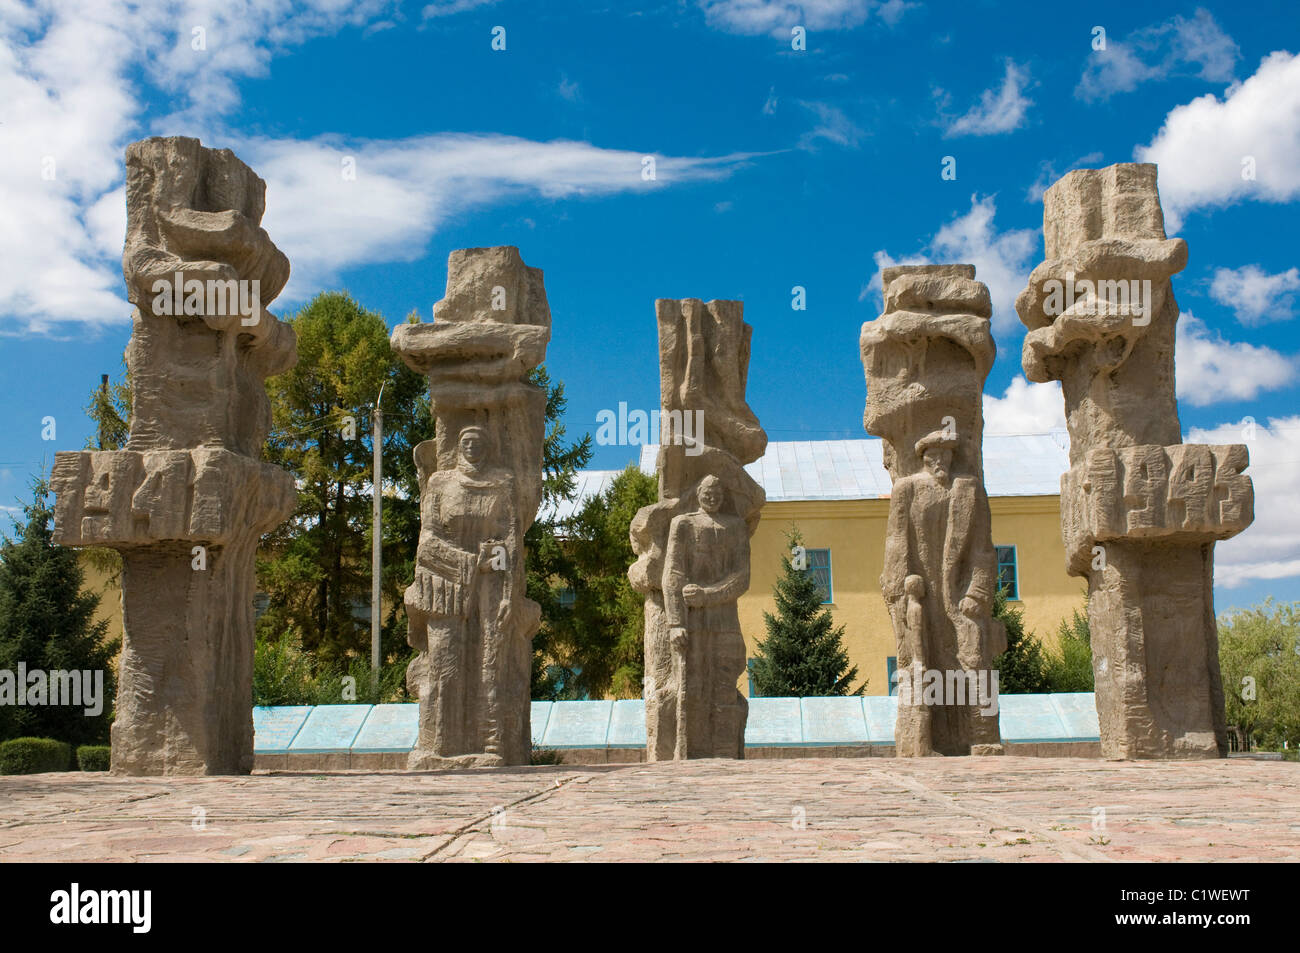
(804, 652)
(48, 623)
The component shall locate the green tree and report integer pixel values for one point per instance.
(1259, 659)
(1022, 668)
(804, 652)
(549, 568)
(109, 408)
(599, 641)
(315, 568)
(48, 622)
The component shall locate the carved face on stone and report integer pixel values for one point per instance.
(473, 445)
(938, 460)
(710, 494)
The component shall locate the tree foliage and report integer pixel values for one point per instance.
(803, 654)
(315, 567)
(596, 645)
(48, 622)
(1022, 668)
(1259, 659)
(1069, 666)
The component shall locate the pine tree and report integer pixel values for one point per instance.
(803, 653)
(48, 622)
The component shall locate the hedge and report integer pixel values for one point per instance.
(93, 757)
(34, 756)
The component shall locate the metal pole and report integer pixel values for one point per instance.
(103, 408)
(376, 542)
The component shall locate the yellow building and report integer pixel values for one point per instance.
(837, 493)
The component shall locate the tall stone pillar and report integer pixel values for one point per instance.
(1140, 511)
(692, 545)
(469, 617)
(188, 498)
(925, 359)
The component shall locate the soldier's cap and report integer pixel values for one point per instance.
(936, 438)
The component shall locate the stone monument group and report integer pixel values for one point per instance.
(187, 499)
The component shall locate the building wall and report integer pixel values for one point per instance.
(854, 532)
(110, 597)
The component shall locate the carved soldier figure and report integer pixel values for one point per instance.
(939, 531)
(711, 547)
(460, 602)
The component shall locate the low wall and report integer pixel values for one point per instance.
(379, 737)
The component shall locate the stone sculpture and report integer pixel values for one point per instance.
(468, 615)
(1140, 511)
(926, 358)
(692, 545)
(187, 499)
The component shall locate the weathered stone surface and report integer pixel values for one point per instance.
(187, 500)
(693, 545)
(469, 617)
(1140, 511)
(925, 359)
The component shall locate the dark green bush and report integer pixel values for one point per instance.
(34, 756)
(93, 757)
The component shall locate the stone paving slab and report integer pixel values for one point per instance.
(868, 809)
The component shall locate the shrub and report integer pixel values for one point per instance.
(1069, 668)
(1022, 668)
(34, 756)
(93, 757)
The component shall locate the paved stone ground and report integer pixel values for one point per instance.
(942, 809)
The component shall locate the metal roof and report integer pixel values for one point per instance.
(1014, 465)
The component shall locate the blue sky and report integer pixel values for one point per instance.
(774, 168)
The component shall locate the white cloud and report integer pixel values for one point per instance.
(754, 17)
(832, 125)
(1025, 408)
(769, 107)
(446, 8)
(405, 189)
(569, 90)
(1204, 146)
(1210, 369)
(70, 79)
(1157, 52)
(1255, 296)
(1001, 260)
(998, 111)
(1270, 547)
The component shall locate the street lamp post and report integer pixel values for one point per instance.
(376, 541)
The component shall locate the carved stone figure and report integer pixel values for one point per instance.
(706, 570)
(925, 359)
(468, 614)
(692, 545)
(187, 499)
(1140, 511)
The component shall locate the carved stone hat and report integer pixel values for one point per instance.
(936, 438)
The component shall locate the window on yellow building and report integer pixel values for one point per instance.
(1008, 576)
(819, 567)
